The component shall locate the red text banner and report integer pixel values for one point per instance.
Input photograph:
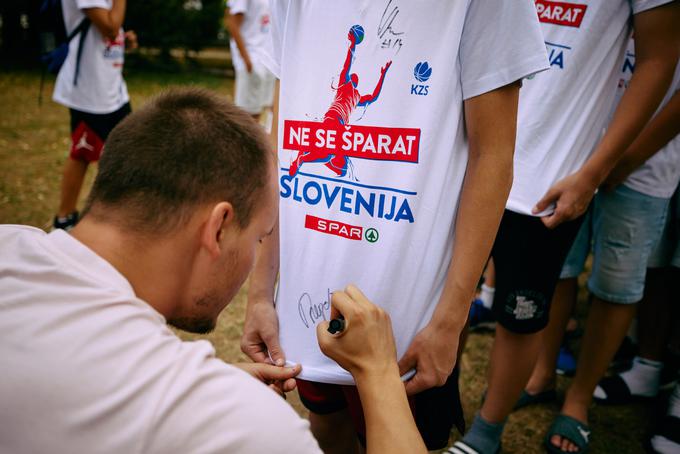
(367, 142)
(560, 13)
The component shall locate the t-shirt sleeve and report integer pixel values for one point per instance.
(643, 5)
(273, 49)
(207, 406)
(237, 6)
(83, 4)
(501, 43)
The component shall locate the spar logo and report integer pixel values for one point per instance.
(422, 73)
(348, 231)
(560, 13)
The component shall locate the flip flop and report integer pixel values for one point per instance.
(526, 399)
(570, 428)
(460, 447)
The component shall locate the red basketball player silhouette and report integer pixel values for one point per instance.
(347, 98)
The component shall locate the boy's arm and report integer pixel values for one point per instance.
(657, 47)
(260, 339)
(366, 349)
(658, 132)
(108, 21)
(491, 120)
(234, 22)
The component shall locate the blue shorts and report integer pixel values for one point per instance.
(667, 251)
(623, 228)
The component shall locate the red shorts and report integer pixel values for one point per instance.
(435, 411)
(90, 131)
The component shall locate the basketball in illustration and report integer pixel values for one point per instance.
(358, 32)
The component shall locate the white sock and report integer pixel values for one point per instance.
(642, 378)
(486, 296)
(674, 402)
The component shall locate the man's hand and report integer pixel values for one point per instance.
(366, 345)
(260, 340)
(279, 379)
(570, 196)
(432, 354)
(131, 42)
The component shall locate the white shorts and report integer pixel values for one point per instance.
(254, 90)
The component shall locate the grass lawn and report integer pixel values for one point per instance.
(33, 146)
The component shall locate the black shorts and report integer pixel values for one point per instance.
(435, 410)
(90, 131)
(528, 258)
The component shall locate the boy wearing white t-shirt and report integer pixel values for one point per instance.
(392, 120)
(560, 160)
(90, 83)
(248, 22)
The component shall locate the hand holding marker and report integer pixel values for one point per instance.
(359, 335)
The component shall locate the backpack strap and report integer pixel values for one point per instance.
(82, 28)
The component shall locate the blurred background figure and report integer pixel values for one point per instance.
(248, 24)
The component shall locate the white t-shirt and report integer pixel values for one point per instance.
(100, 88)
(562, 112)
(660, 175)
(89, 367)
(387, 224)
(254, 29)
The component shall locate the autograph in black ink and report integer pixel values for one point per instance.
(310, 312)
(389, 36)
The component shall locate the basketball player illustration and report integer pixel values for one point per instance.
(347, 98)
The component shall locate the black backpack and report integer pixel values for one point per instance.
(55, 41)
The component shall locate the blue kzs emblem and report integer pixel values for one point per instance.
(422, 73)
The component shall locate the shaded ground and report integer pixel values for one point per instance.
(33, 146)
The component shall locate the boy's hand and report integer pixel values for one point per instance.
(279, 379)
(131, 42)
(570, 196)
(433, 354)
(260, 340)
(366, 346)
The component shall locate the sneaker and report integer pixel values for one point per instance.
(481, 318)
(65, 223)
(566, 362)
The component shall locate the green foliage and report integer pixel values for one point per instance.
(167, 24)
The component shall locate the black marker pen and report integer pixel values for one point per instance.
(336, 325)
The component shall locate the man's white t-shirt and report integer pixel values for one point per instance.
(383, 218)
(100, 88)
(659, 175)
(86, 366)
(254, 29)
(562, 112)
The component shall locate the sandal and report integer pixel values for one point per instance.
(617, 392)
(460, 447)
(526, 399)
(570, 428)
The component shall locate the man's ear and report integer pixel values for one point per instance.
(220, 218)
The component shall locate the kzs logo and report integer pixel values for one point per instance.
(422, 73)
